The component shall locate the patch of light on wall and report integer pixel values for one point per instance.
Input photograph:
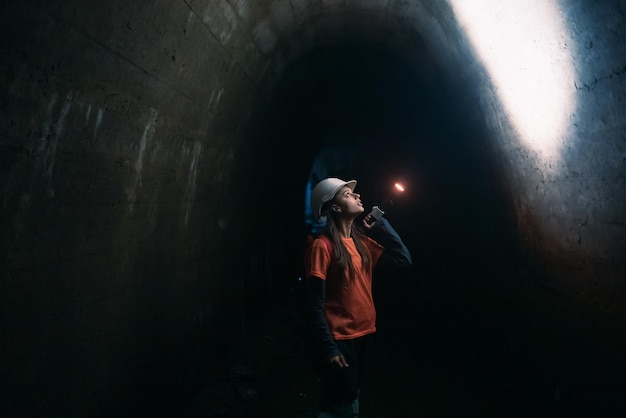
(524, 47)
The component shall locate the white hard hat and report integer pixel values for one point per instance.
(325, 191)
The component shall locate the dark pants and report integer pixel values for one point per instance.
(341, 385)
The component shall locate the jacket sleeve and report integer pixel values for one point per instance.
(395, 252)
(323, 342)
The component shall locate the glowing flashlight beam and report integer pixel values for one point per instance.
(399, 187)
(527, 52)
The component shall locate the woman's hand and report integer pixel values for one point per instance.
(368, 221)
(339, 361)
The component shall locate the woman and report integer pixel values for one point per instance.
(338, 268)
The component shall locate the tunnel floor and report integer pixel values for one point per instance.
(449, 364)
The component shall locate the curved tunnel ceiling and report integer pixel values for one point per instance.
(525, 49)
(292, 29)
(443, 55)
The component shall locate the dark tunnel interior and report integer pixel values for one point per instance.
(453, 339)
(154, 166)
(364, 114)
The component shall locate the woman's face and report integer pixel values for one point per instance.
(349, 202)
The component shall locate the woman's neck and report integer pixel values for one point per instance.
(345, 228)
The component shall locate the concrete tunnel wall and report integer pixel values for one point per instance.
(132, 178)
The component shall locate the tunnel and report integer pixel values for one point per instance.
(155, 162)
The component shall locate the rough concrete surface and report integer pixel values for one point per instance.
(153, 163)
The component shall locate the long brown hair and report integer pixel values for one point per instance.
(341, 258)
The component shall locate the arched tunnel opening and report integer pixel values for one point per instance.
(155, 160)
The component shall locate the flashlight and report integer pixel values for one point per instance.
(377, 212)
